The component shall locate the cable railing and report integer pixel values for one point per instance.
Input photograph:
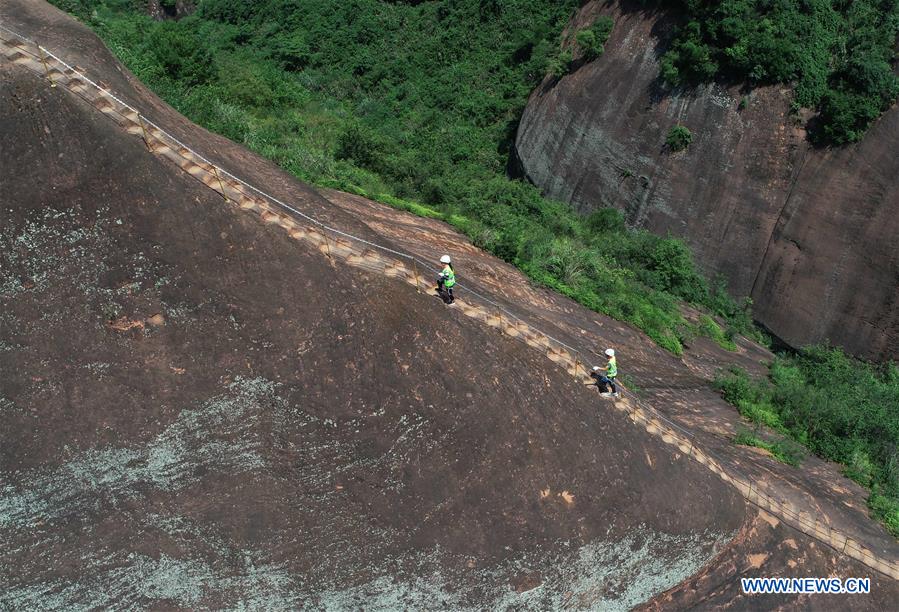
(362, 253)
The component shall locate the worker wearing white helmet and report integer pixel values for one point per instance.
(446, 280)
(605, 377)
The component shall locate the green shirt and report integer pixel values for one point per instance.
(449, 277)
(612, 369)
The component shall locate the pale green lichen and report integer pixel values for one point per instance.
(63, 249)
(97, 368)
(603, 575)
(218, 435)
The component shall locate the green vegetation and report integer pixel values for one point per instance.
(839, 408)
(679, 138)
(586, 40)
(724, 338)
(592, 40)
(838, 54)
(782, 449)
(415, 105)
(629, 384)
(560, 65)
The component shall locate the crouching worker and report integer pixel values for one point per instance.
(605, 377)
(446, 280)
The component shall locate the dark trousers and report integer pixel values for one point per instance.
(602, 381)
(446, 293)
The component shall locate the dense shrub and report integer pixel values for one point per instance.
(593, 39)
(678, 138)
(669, 267)
(841, 409)
(181, 53)
(360, 145)
(838, 55)
(586, 40)
(602, 27)
(560, 65)
(689, 59)
(605, 220)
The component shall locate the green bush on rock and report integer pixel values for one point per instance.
(678, 138)
(593, 39)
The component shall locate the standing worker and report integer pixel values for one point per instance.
(607, 379)
(446, 280)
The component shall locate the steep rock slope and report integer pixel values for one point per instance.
(679, 388)
(270, 486)
(811, 235)
(200, 412)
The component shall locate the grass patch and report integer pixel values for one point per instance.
(839, 408)
(630, 384)
(709, 328)
(783, 450)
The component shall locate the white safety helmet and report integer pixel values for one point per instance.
(610, 352)
(445, 259)
(595, 368)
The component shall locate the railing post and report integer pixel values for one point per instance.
(46, 68)
(577, 363)
(143, 129)
(215, 171)
(321, 230)
(415, 272)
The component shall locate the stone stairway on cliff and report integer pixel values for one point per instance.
(359, 253)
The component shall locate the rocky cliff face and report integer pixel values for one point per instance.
(812, 235)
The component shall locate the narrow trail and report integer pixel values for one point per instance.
(338, 245)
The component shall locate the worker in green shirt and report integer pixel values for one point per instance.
(446, 280)
(605, 377)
